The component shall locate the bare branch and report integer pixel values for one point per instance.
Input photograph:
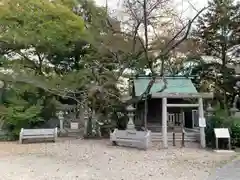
(188, 27)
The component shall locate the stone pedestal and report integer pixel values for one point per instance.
(61, 124)
(130, 125)
(61, 121)
(234, 112)
(1, 90)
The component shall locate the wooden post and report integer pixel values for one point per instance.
(174, 144)
(183, 118)
(217, 144)
(164, 122)
(202, 129)
(183, 139)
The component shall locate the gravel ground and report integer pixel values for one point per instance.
(98, 160)
(230, 171)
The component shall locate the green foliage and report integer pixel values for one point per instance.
(214, 122)
(50, 107)
(34, 32)
(38, 24)
(63, 49)
(223, 120)
(18, 113)
(235, 132)
(217, 33)
(218, 28)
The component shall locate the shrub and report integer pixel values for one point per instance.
(19, 113)
(235, 132)
(18, 117)
(221, 120)
(213, 122)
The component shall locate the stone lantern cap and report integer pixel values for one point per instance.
(130, 108)
(233, 109)
(238, 84)
(210, 108)
(60, 114)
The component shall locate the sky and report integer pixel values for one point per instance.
(181, 5)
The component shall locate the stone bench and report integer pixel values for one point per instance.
(37, 134)
(131, 138)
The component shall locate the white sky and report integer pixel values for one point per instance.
(183, 5)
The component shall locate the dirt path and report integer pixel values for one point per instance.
(97, 160)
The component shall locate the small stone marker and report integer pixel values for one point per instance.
(74, 125)
(222, 133)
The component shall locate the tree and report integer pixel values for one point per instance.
(66, 63)
(98, 53)
(218, 33)
(35, 30)
(143, 16)
(30, 32)
(32, 29)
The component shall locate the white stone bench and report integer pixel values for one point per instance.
(44, 134)
(137, 139)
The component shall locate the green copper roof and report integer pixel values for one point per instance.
(174, 85)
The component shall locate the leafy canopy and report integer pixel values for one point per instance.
(39, 24)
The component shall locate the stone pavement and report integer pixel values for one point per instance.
(230, 171)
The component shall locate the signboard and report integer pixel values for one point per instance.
(202, 122)
(221, 132)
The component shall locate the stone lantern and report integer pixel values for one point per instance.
(130, 125)
(234, 109)
(210, 110)
(131, 137)
(61, 119)
(1, 90)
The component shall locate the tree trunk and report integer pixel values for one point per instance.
(224, 63)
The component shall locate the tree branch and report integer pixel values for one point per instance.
(188, 27)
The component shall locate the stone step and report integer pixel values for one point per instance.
(189, 137)
(170, 140)
(177, 140)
